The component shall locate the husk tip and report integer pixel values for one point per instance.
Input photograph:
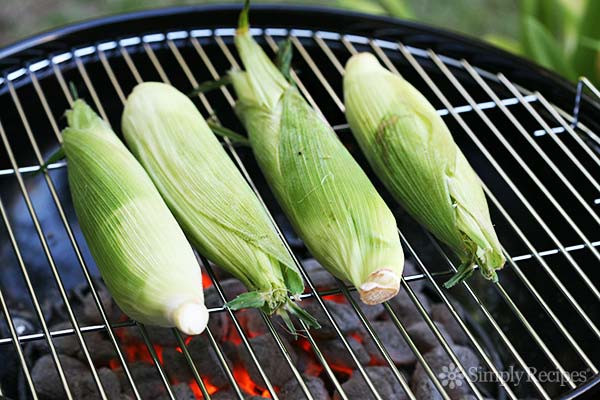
(380, 286)
(191, 318)
(243, 22)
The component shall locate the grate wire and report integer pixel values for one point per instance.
(321, 41)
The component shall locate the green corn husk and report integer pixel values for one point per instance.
(413, 153)
(327, 197)
(141, 252)
(209, 197)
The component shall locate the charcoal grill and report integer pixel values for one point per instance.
(531, 136)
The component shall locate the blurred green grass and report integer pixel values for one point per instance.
(478, 18)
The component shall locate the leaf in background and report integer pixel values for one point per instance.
(529, 7)
(397, 8)
(590, 43)
(545, 49)
(552, 14)
(594, 45)
(366, 6)
(585, 57)
(505, 43)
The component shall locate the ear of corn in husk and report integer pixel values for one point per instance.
(327, 197)
(209, 197)
(413, 153)
(141, 252)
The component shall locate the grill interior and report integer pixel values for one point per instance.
(539, 169)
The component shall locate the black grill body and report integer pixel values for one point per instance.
(514, 121)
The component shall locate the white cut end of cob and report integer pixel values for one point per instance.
(191, 318)
(380, 286)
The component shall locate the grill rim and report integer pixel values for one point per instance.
(230, 8)
(479, 52)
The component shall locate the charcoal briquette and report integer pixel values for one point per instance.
(182, 391)
(219, 325)
(371, 312)
(392, 340)
(146, 379)
(231, 289)
(207, 362)
(82, 300)
(336, 353)
(442, 365)
(404, 308)
(175, 365)
(343, 314)
(316, 387)
(67, 345)
(101, 349)
(270, 358)
(164, 337)
(424, 389)
(256, 325)
(424, 337)
(81, 383)
(320, 277)
(46, 379)
(440, 313)
(383, 380)
(110, 383)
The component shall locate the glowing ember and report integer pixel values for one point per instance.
(336, 298)
(357, 337)
(343, 369)
(206, 281)
(139, 352)
(210, 388)
(247, 384)
(304, 344)
(234, 337)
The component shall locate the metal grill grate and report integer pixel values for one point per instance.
(537, 163)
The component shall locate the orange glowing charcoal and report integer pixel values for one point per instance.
(343, 369)
(313, 368)
(242, 377)
(358, 337)
(210, 388)
(337, 298)
(114, 364)
(305, 345)
(196, 390)
(159, 353)
(206, 281)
